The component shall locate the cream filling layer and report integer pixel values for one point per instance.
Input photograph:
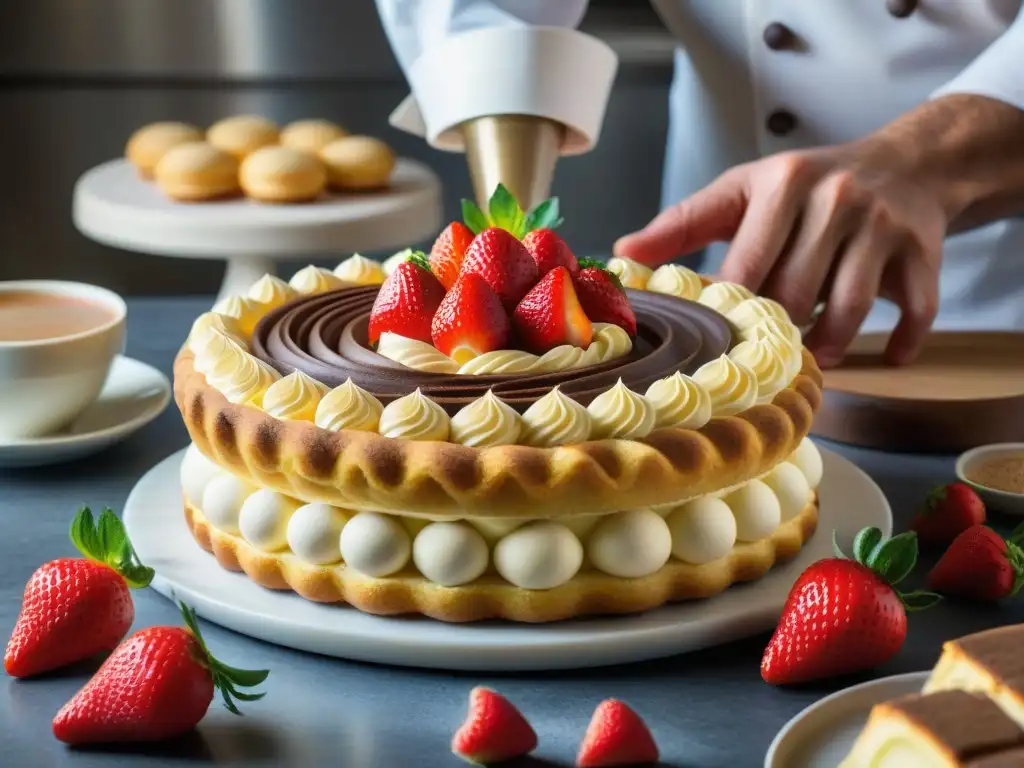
(528, 553)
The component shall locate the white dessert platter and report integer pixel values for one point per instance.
(823, 734)
(113, 206)
(849, 500)
(134, 394)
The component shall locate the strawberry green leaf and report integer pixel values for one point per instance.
(1017, 537)
(419, 258)
(85, 537)
(544, 216)
(226, 679)
(918, 600)
(935, 497)
(473, 217)
(864, 544)
(106, 542)
(893, 560)
(1016, 557)
(588, 263)
(504, 211)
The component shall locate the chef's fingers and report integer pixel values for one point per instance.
(768, 225)
(914, 285)
(855, 287)
(829, 219)
(705, 217)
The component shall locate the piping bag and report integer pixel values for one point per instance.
(514, 100)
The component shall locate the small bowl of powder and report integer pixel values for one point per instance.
(996, 472)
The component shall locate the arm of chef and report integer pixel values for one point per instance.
(998, 72)
(466, 59)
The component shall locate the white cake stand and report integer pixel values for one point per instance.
(850, 500)
(113, 206)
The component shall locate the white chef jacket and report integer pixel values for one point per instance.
(856, 67)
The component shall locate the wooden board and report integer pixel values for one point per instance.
(966, 389)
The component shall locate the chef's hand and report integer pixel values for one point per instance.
(841, 225)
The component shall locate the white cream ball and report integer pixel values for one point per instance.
(703, 530)
(756, 509)
(196, 473)
(450, 554)
(314, 532)
(807, 459)
(630, 544)
(790, 487)
(263, 519)
(540, 555)
(222, 502)
(374, 544)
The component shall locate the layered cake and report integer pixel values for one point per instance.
(988, 662)
(949, 729)
(497, 430)
(970, 712)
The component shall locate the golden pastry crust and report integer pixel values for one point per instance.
(490, 597)
(365, 471)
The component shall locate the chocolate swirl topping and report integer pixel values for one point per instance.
(325, 336)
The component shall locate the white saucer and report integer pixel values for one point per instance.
(850, 500)
(823, 734)
(133, 395)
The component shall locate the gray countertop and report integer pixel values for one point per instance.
(706, 709)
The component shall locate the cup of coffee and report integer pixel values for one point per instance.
(57, 343)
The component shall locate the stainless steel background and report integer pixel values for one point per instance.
(78, 76)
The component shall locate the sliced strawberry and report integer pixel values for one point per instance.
(448, 252)
(616, 736)
(603, 299)
(550, 251)
(470, 320)
(494, 730)
(407, 301)
(550, 314)
(503, 262)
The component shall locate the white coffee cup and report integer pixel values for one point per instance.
(45, 383)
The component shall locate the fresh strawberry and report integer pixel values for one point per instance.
(948, 511)
(74, 609)
(407, 301)
(602, 298)
(616, 736)
(550, 251)
(448, 252)
(157, 684)
(503, 262)
(494, 730)
(980, 565)
(470, 320)
(844, 615)
(550, 314)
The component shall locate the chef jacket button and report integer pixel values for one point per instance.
(781, 122)
(901, 8)
(779, 37)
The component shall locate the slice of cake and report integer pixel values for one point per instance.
(990, 662)
(947, 729)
